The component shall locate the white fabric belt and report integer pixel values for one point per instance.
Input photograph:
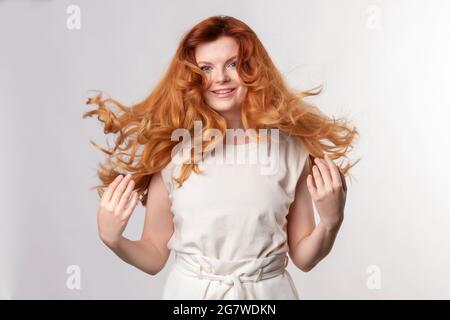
(231, 274)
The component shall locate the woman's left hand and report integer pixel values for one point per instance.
(328, 190)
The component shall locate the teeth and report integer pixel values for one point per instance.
(223, 91)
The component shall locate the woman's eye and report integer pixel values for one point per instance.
(234, 63)
(202, 68)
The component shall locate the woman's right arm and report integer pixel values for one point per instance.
(150, 253)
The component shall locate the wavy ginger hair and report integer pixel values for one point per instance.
(143, 145)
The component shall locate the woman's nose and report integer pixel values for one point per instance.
(221, 76)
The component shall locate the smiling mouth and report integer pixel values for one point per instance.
(225, 94)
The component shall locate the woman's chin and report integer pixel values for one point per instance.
(222, 106)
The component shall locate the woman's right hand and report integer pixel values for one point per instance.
(113, 214)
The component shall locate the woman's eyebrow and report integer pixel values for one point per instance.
(225, 61)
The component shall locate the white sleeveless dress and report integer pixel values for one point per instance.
(230, 235)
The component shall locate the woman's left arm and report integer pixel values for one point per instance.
(310, 243)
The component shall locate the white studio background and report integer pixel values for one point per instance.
(384, 65)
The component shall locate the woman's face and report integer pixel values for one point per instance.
(218, 61)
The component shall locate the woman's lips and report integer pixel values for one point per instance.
(224, 95)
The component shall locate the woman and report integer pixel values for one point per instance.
(231, 227)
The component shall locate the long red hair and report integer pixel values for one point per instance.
(143, 131)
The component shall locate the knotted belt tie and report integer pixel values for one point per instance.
(230, 274)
